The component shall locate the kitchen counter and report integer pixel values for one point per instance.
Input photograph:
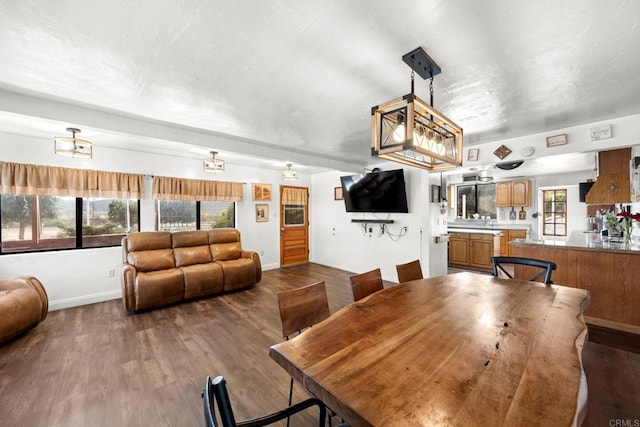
(493, 232)
(482, 225)
(609, 271)
(581, 240)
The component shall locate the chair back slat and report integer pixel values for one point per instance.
(365, 284)
(547, 267)
(303, 307)
(409, 271)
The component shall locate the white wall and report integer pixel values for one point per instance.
(337, 242)
(76, 277)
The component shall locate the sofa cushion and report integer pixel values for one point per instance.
(226, 251)
(238, 273)
(192, 255)
(159, 259)
(202, 279)
(182, 239)
(148, 240)
(223, 235)
(157, 288)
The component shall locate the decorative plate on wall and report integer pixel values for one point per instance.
(502, 152)
(527, 151)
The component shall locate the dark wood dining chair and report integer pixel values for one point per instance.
(215, 395)
(498, 264)
(302, 308)
(365, 284)
(409, 271)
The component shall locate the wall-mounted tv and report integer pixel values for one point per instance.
(377, 191)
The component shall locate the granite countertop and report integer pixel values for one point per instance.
(482, 225)
(583, 241)
(474, 231)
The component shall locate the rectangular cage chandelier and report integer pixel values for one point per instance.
(410, 131)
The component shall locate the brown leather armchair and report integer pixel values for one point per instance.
(23, 305)
(162, 268)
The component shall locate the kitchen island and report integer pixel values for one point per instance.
(609, 271)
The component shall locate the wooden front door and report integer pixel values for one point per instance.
(294, 226)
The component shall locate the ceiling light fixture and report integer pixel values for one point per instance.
(410, 131)
(288, 174)
(73, 146)
(213, 165)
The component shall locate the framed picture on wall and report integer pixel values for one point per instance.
(473, 154)
(262, 212)
(261, 191)
(337, 193)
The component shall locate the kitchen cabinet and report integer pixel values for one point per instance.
(513, 193)
(473, 250)
(508, 235)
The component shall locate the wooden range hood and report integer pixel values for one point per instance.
(613, 184)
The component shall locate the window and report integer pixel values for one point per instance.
(555, 212)
(294, 215)
(105, 221)
(478, 198)
(217, 215)
(34, 223)
(179, 215)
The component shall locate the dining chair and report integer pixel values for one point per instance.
(546, 267)
(301, 308)
(365, 284)
(409, 271)
(215, 395)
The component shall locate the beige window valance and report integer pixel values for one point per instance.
(168, 188)
(18, 178)
(294, 196)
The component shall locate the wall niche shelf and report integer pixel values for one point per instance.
(373, 221)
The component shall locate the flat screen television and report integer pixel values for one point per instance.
(377, 191)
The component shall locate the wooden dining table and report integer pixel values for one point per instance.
(463, 349)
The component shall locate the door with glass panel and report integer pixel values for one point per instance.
(294, 225)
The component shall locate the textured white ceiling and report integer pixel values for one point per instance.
(303, 75)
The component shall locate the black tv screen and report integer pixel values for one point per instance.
(377, 191)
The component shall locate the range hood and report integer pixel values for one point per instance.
(613, 184)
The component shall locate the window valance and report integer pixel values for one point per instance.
(18, 178)
(168, 188)
(294, 196)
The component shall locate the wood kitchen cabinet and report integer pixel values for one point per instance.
(513, 193)
(472, 250)
(508, 235)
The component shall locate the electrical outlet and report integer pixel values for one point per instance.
(261, 253)
(112, 273)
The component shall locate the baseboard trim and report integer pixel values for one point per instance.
(84, 300)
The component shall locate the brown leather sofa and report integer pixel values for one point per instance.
(162, 268)
(23, 304)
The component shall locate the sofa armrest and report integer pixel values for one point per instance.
(256, 260)
(42, 293)
(128, 287)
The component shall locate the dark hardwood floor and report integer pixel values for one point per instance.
(96, 365)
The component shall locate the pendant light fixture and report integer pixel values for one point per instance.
(410, 131)
(74, 147)
(289, 174)
(213, 165)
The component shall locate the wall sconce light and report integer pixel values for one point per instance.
(73, 146)
(410, 131)
(213, 165)
(289, 174)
